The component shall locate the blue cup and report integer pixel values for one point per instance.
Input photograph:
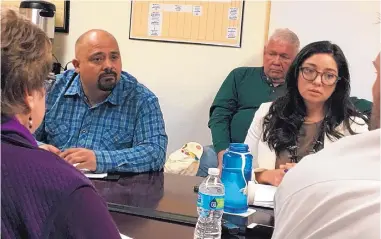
(236, 174)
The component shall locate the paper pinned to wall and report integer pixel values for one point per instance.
(155, 7)
(154, 24)
(233, 14)
(176, 8)
(231, 33)
(197, 11)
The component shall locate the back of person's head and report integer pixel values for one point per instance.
(286, 115)
(25, 62)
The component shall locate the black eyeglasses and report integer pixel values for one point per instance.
(311, 74)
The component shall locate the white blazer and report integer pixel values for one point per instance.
(263, 157)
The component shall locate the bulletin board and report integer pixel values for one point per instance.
(215, 22)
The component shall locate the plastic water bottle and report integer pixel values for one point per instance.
(236, 173)
(210, 205)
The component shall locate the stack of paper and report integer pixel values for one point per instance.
(261, 195)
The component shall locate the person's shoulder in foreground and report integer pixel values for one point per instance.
(334, 193)
(42, 196)
(41, 187)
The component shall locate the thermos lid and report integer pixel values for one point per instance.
(214, 171)
(47, 6)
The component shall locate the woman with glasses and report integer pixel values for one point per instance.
(315, 112)
(42, 196)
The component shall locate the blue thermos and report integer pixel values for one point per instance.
(236, 174)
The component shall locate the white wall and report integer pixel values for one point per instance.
(184, 77)
(350, 24)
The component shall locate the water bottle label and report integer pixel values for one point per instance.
(209, 202)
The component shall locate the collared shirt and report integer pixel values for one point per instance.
(334, 193)
(126, 131)
(274, 91)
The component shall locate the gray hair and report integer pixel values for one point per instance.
(285, 34)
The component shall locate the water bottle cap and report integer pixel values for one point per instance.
(214, 171)
(239, 147)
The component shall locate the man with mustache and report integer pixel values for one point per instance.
(101, 118)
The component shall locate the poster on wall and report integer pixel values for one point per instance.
(215, 22)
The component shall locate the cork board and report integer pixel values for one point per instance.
(217, 22)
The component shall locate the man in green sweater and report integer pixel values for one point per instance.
(244, 90)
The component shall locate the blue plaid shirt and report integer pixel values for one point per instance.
(126, 131)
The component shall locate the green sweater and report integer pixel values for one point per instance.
(239, 97)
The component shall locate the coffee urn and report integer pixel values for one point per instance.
(42, 14)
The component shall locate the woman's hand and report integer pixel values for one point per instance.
(287, 166)
(273, 177)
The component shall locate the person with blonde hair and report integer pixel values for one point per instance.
(42, 196)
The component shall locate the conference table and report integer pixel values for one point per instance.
(161, 205)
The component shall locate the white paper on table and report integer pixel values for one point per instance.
(124, 236)
(245, 214)
(96, 175)
(89, 174)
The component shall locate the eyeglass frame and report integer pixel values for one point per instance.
(321, 76)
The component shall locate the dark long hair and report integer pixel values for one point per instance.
(286, 115)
